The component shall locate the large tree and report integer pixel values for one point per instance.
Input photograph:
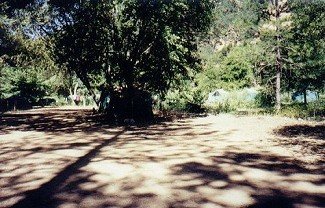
(307, 44)
(275, 26)
(119, 45)
(132, 44)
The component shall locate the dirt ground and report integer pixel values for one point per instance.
(66, 158)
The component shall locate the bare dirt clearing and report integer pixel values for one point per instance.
(64, 158)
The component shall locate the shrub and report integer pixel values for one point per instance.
(187, 99)
(299, 110)
(265, 98)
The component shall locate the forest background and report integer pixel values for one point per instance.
(241, 56)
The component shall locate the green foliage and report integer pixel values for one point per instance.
(234, 56)
(234, 68)
(187, 97)
(299, 110)
(16, 82)
(130, 44)
(46, 47)
(234, 21)
(27, 68)
(226, 106)
(307, 44)
(241, 50)
(265, 98)
(28, 71)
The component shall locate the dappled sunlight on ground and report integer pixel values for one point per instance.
(214, 161)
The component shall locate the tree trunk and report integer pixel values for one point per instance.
(278, 90)
(278, 64)
(86, 82)
(128, 68)
(15, 104)
(75, 89)
(305, 97)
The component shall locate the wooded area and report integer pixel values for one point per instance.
(175, 52)
(162, 103)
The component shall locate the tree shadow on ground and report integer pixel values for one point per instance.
(316, 131)
(41, 196)
(68, 121)
(29, 157)
(172, 164)
(256, 181)
(298, 135)
(132, 174)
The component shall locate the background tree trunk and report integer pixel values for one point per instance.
(278, 64)
(305, 97)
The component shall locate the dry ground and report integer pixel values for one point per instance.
(65, 158)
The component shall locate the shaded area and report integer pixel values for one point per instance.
(59, 120)
(201, 162)
(42, 197)
(39, 144)
(316, 131)
(311, 138)
(257, 180)
(71, 120)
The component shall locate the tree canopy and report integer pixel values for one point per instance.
(129, 44)
(307, 51)
(162, 47)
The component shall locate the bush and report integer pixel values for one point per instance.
(299, 110)
(48, 101)
(295, 110)
(265, 98)
(187, 99)
(220, 107)
(21, 88)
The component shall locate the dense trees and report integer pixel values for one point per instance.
(28, 71)
(128, 47)
(277, 45)
(129, 44)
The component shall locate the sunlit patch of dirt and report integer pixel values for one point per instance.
(65, 158)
